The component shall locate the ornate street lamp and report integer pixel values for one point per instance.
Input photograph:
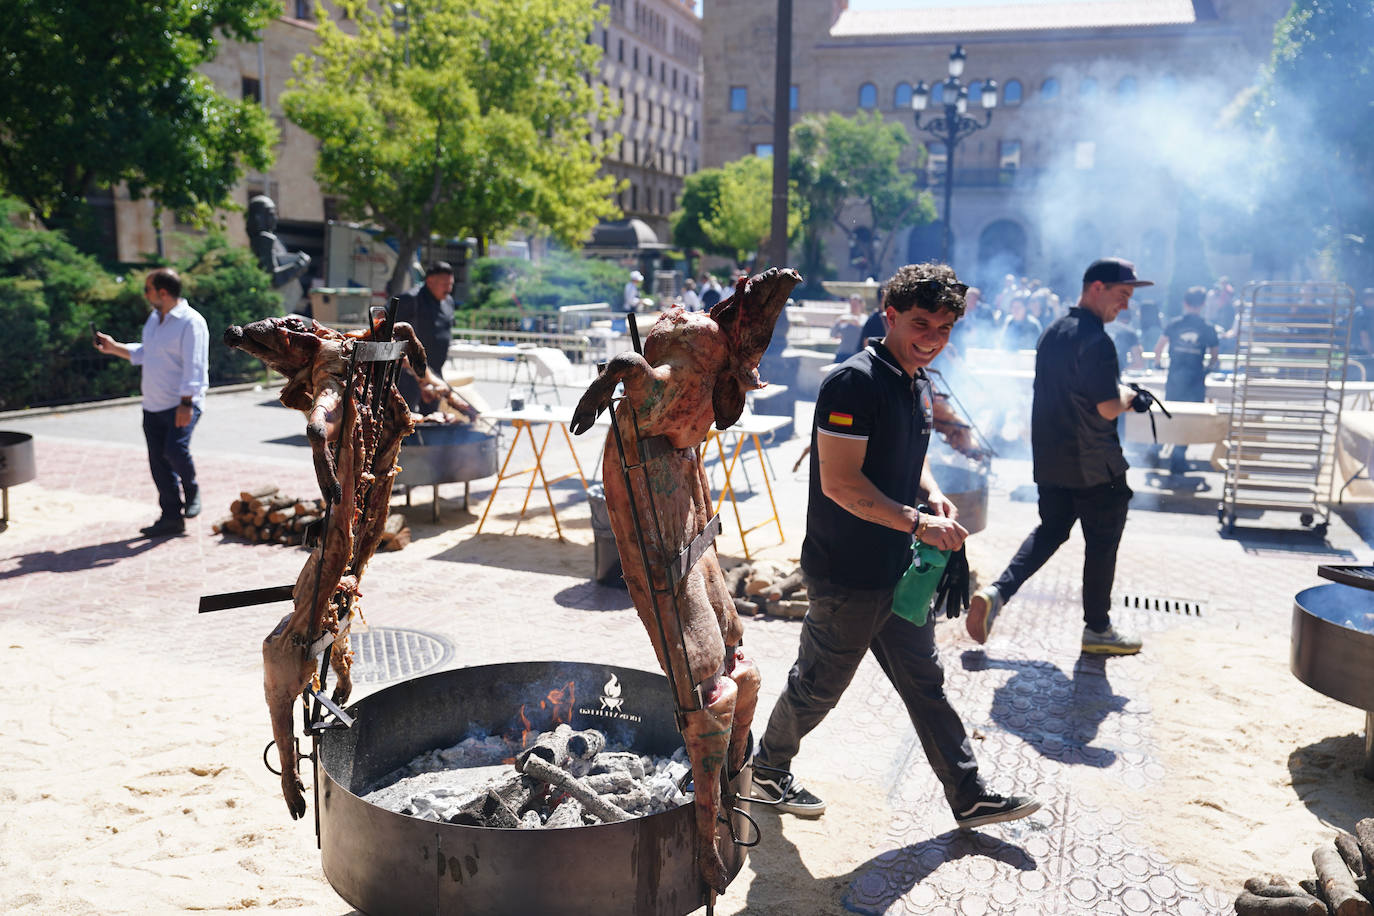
(954, 126)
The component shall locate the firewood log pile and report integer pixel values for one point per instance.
(1344, 885)
(765, 588)
(262, 515)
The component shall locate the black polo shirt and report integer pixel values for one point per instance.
(1190, 337)
(869, 397)
(1073, 445)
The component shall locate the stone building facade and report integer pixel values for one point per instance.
(651, 62)
(651, 65)
(1104, 137)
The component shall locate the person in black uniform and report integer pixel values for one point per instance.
(1187, 340)
(1076, 457)
(428, 308)
(868, 474)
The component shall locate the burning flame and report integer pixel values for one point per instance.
(560, 702)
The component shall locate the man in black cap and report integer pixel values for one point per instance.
(428, 308)
(1077, 460)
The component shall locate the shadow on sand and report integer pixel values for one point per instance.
(874, 886)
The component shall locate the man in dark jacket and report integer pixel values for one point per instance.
(1193, 347)
(1076, 456)
(428, 308)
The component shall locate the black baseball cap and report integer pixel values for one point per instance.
(1113, 270)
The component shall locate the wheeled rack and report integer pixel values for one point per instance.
(1292, 343)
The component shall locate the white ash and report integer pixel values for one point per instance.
(451, 784)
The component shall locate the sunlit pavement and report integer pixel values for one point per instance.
(72, 562)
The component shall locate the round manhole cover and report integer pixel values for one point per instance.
(394, 654)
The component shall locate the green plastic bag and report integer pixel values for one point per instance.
(916, 588)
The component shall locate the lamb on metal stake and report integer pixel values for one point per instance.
(696, 370)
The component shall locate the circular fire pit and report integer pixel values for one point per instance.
(383, 862)
(16, 465)
(1332, 649)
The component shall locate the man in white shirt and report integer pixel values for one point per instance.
(632, 291)
(174, 356)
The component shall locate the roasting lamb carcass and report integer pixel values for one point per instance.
(695, 371)
(354, 453)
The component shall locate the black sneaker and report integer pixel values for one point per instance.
(164, 527)
(796, 800)
(991, 808)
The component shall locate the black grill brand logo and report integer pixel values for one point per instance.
(611, 704)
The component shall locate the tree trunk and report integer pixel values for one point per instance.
(400, 274)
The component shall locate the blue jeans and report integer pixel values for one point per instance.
(1101, 511)
(169, 458)
(840, 626)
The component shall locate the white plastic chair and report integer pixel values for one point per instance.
(550, 368)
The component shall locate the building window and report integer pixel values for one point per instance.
(636, 60)
(1126, 90)
(901, 96)
(936, 159)
(250, 89)
(868, 96)
(1088, 88)
(660, 201)
(636, 114)
(975, 93)
(1011, 92)
(739, 98)
(303, 10)
(634, 196)
(1009, 155)
(650, 69)
(763, 149)
(1049, 89)
(605, 41)
(1085, 155)
(675, 79)
(793, 98)
(620, 45)
(937, 94)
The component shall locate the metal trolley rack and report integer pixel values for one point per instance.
(1292, 341)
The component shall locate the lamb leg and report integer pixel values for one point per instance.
(286, 672)
(746, 676)
(707, 735)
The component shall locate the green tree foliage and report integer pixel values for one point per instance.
(99, 92)
(700, 191)
(1313, 111)
(840, 163)
(463, 118)
(560, 278)
(741, 218)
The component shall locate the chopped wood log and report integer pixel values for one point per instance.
(747, 608)
(566, 749)
(1349, 848)
(536, 767)
(285, 513)
(1338, 885)
(789, 608)
(735, 579)
(1312, 888)
(1364, 836)
(218, 527)
(257, 493)
(397, 542)
(394, 523)
(1250, 904)
(567, 814)
(785, 587)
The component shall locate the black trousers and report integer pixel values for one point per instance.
(1101, 511)
(842, 625)
(169, 458)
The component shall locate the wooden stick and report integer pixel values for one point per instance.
(538, 768)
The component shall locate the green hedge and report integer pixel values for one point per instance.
(51, 294)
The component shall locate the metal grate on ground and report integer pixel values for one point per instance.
(382, 654)
(1189, 607)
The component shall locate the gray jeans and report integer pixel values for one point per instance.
(840, 626)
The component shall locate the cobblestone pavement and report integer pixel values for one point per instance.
(1043, 718)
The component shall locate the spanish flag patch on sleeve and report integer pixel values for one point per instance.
(841, 419)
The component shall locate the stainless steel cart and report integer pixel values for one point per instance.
(1292, 343)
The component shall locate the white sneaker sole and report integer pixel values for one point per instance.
(1011, 814)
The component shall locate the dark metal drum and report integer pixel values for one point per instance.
(1332, 649)
(382, 862)
(446, 453)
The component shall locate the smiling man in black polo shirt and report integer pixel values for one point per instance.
(868, 474)
(1078, 465)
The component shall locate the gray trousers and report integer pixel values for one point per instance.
(840, 626)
